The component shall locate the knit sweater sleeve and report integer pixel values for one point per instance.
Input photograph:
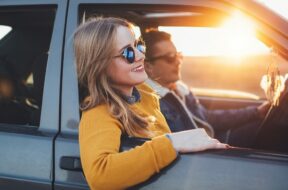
(107, 168)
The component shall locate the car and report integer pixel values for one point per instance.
(39, 97)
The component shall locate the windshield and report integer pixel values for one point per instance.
(226, 61)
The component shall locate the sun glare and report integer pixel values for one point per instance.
(239, 37)
(235, 37)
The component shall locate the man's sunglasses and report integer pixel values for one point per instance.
(129, 52)
(169, 57)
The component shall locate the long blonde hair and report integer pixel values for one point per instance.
(94, 43)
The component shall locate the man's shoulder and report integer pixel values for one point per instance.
(182, 88)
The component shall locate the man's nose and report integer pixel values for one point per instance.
(179, 59)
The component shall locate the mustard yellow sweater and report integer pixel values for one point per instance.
(99, 137)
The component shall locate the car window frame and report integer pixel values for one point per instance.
(49, 118)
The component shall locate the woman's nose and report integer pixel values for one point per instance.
(139, 55)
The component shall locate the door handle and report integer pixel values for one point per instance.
(70, 163)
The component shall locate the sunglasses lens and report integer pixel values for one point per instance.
(171, 59)
(129, 54)
(141, 48)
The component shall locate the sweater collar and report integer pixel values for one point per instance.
(160, 90)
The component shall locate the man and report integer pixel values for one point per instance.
(182, 109)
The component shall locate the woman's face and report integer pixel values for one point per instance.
(125, 75)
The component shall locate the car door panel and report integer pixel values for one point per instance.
(226, 103)
(26, 167)
(232, 169)
(67, 178)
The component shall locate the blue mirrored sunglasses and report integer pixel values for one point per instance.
(129, 52)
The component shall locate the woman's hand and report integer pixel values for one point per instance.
(194, 140)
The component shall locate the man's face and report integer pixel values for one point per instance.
(165, 67)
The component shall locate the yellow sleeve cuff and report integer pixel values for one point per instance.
(164, 151)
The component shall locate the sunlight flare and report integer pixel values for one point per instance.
(239, 37)
(235, 37)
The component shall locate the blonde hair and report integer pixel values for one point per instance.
(94, 43)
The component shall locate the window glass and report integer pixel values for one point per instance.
(23, 59)
(225, 61)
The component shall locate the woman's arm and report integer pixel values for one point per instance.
(105, 167)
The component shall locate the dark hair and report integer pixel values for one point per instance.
(151, 38)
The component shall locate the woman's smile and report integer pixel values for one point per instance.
(139, 68)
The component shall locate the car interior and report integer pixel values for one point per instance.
(23, 57)
(272, 133)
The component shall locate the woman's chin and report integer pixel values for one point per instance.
(140, 78)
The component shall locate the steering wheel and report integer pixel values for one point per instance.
(273, 131)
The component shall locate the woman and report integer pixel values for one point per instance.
(110, 64)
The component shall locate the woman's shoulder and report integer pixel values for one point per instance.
(148, 95)
(99, 116)
(97, 112)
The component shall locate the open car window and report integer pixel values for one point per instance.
(223, 54)
(226, 51)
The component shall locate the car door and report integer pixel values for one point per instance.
(30, 51)
(220, 170)
(68, 171)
